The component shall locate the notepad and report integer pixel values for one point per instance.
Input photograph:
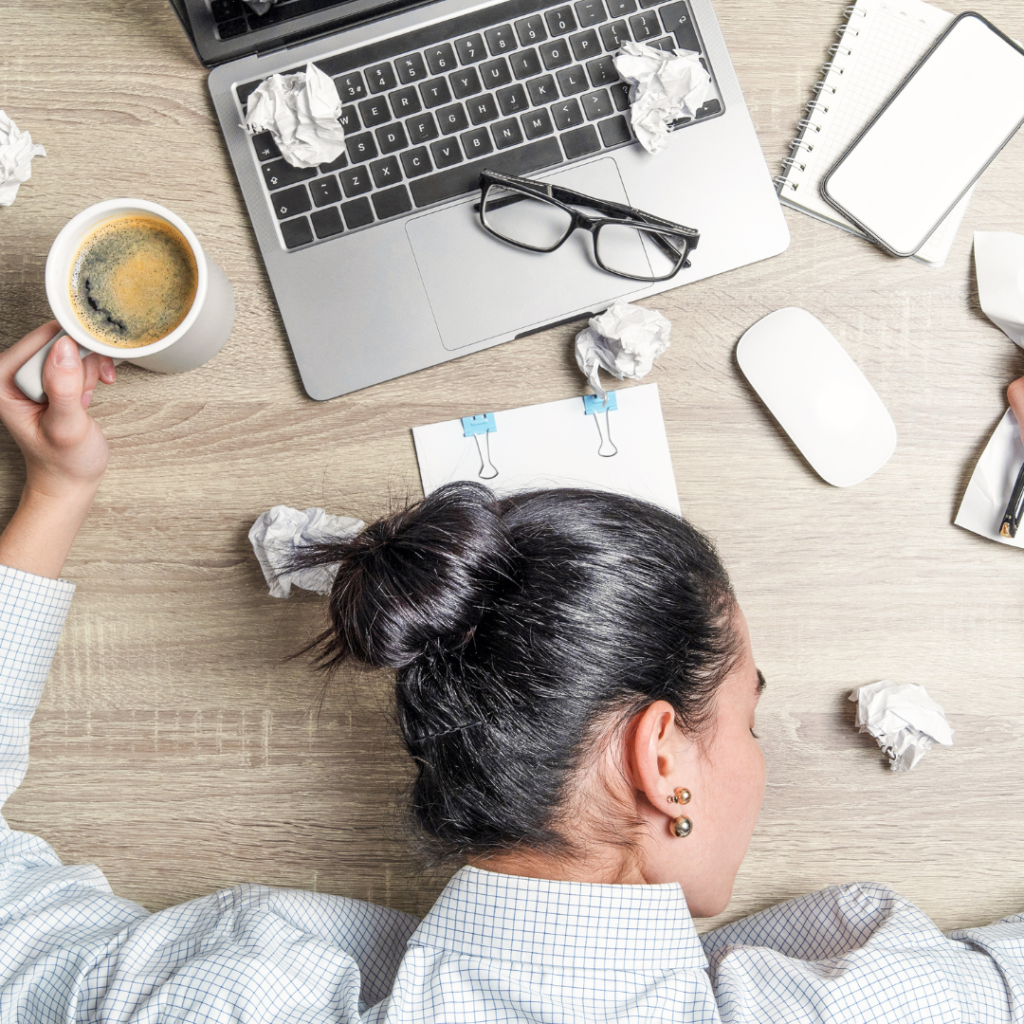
(880, 45)
(619, 445)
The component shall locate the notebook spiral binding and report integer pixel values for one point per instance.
(816, 110)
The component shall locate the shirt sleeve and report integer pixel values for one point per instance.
(32, 614)
(861, 953)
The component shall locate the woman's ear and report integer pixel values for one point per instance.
(657, 752)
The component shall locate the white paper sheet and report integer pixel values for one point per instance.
(557, 445)
(984, 503)
(999, 265)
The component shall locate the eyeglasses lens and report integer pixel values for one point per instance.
(523, 220)
(635, 252)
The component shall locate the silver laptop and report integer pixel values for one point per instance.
(379, 263)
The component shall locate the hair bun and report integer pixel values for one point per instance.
(422, 576)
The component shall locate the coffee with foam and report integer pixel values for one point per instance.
(133, 280)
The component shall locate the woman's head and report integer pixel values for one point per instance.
(565, 659)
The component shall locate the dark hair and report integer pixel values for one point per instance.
(516, 626)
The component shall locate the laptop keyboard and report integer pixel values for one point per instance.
(516, 87)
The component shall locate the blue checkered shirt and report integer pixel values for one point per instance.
(494, 948)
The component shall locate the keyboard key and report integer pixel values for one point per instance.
(381, 77)
(410, 68)
(225, 10)
(602, 71)
(391, 138)
(471, 49)
(482, 108)
(440, 59)
(325, 191)
(266, 147)
(334, 165)
(581, 142)
(230, 29)
(291, 201)
(280, 174)
(500, 39)
(446, 154)
(327, 222)
(385, 172)
(615, 131)
(374, 111)
(416, 162)
(572, 80)
(421, 129)
(435, 188)
(495, 73)
(677, 19)
(567, 114)
(477, 143)
(392, 203)
(589, 12)
(350, 86)
(585, 44)
(666, 43)
(452, 119)
(531, 30)
(296, 232)
(644, 26)
(465, 83)
(614, 35)
(555, 54)
(537, 123)
(649, 3)
(620, 8)
(542, 90)
(512, 99)
(349, 120)
(507, 133)
(525, 64)
(355, 181)
(435, 92)
(405, 102)
(560, 21)
(360, 148)
(357, 213)
(596, 105)
(709, 108)
(620, 95)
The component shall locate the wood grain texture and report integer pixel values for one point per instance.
(176, 746)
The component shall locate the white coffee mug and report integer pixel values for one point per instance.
(196, 340)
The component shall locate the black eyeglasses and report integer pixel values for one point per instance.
(538, 216)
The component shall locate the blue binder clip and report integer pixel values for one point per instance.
(594, 406)
(480, 429)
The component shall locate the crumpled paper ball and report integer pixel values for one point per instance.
(16, 153)
(999, 265)
(301, 111)
(662, 88)
(280, 533)
(904, 720)
(624, 340)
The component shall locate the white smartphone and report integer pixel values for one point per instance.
(930, 142)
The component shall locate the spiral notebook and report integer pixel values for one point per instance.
(879, 46)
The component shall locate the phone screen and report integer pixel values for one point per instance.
(935, 136)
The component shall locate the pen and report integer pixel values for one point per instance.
(1014, 510)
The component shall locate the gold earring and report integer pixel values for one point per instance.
(681, 796)
(681, 827)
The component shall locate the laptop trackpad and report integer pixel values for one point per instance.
(480, 287)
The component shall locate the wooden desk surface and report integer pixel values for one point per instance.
(177, 748)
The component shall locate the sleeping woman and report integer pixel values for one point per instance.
(575, 684)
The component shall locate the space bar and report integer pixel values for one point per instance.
(466, 177)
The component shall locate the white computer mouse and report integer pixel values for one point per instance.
(818, 394)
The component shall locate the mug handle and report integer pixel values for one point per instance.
(30, 377)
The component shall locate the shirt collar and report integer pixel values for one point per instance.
(576, 924)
